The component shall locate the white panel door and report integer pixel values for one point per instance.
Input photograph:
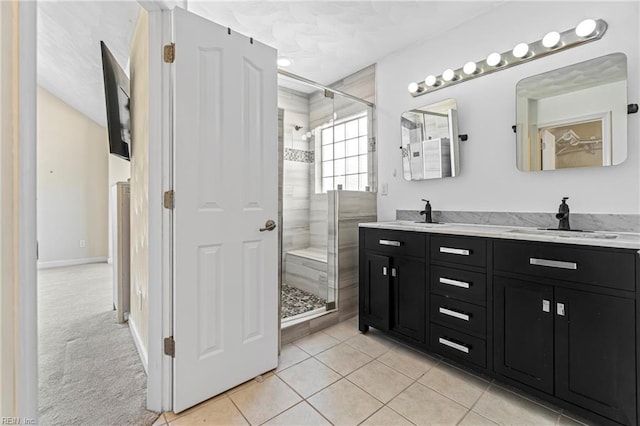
(225, 291)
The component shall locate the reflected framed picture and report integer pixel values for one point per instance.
(576, 142)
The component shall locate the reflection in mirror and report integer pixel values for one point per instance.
(574, 116)
(430, 141)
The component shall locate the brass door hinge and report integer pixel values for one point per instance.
(169, 199)
(170, 346)
(170, 53)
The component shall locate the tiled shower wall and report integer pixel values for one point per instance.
(297, 165)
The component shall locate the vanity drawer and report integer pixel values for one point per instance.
(464, 285)
(457, 314)
(462, 250)
(401, 243)
(606, 268)
(458, 345)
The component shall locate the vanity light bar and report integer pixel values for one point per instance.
(586, 31)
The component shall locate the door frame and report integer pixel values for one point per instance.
(20, 337)
(20, 344)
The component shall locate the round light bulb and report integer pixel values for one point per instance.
(470, 68)
(494, 59)
(308, 135)
(448, 75)
(551, 39)
(586, 28)
(284, 62)
(431, 80)
(521, 50)
(413, 87)
(304, 137)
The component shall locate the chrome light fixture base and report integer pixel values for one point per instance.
(537, 49)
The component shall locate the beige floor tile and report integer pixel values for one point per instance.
(171, 416)
(160, 421)
(248, 383)
(380, 381)
(475, 419)
(424, 406)
(343, 330)
(219, 412)
(455, 384)
(343, 358)
(343, 403)
(371, 344)
(309, 377)
(262, 401)
(316, 343)
(290, 355)
(407, 361)
(504, 407)
(300, 415)
(386, 417)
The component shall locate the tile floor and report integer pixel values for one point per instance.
(342, 377)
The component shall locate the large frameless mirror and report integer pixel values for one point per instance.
(430, 141)
(574, 116)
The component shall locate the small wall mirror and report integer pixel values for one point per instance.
(430, 141)
(574, 116)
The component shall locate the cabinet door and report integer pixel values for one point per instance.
(595, 350)
(409, 294)
(376, 289)
(523, 327)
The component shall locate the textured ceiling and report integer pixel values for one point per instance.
(69, 60)
(326, 40)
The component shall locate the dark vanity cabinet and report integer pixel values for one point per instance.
(457, 310)
(557, 320)
(564, 320)
(394, 289)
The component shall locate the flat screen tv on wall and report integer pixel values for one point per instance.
(116, 93)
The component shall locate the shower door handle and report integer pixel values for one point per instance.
(270, 225)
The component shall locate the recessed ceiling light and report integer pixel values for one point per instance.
(284, 62)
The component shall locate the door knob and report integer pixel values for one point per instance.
(268, 226)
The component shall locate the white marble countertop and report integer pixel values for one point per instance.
(628, 240)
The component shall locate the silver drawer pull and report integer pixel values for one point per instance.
(460, 252)
(553, 263)
(384, 271)
(390, 243)
(453, 345)
(452, 313)
(455, 283)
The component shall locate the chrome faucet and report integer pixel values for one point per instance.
(563, 215)
(427, 212)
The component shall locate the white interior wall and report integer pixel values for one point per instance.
(72, 184)
(489, 180)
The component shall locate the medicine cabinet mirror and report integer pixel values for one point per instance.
(574, 116)
(430, 141)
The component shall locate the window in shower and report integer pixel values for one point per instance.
(344, 154)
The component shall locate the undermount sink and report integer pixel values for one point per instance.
(565, 234)
(428, 224)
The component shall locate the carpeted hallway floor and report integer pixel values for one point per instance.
(89, 369)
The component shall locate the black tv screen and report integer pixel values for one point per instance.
(116, 93)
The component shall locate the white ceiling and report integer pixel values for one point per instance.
(326, 40)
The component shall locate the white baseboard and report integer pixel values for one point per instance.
(141, 349)
(70, 262)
